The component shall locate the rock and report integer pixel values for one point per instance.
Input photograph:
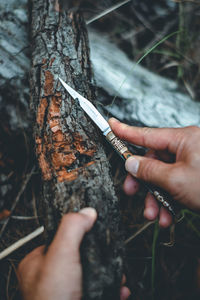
(14, 65)
(140, 94)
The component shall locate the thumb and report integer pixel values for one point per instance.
(151, 170)
(71, 231)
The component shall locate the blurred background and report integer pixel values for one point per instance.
(159, 263)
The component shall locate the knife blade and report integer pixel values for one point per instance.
(161, 196)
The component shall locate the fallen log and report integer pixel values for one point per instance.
(73, 163)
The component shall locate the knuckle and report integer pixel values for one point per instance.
(145, 133)
(175, 181)
(192, 131)
(123, 129)
(145, 170)
(124, 126)
(146, 130)
(194, 128)
(193, 139)
(196, 132)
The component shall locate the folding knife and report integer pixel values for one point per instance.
(161, 196)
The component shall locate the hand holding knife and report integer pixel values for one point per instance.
(116, 143)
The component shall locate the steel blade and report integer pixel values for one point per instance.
(89, 108)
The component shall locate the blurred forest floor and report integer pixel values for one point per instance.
(160, 263)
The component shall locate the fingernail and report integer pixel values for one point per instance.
(114, 120)
(132, 165)
(89, 211)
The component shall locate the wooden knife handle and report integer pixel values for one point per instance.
(161, 196)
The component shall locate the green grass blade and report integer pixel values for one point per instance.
(189, 216)
(156, 45)
(143, 56)
(193, 227)
(186, 211)
(166, 53)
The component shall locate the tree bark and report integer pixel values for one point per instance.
(72, 160)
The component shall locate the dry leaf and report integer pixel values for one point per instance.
(4, 214)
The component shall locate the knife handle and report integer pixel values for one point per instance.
(161, 196)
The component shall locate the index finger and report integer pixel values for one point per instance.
(154, 138)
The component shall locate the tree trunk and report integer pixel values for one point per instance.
(72, 160)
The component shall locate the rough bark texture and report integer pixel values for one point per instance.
(74, 166)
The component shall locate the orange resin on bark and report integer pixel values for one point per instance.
(57, 151)
(45, 167)
(48, 84)
(41, 111)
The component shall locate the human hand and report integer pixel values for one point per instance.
(173, 163)
(57, 274)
